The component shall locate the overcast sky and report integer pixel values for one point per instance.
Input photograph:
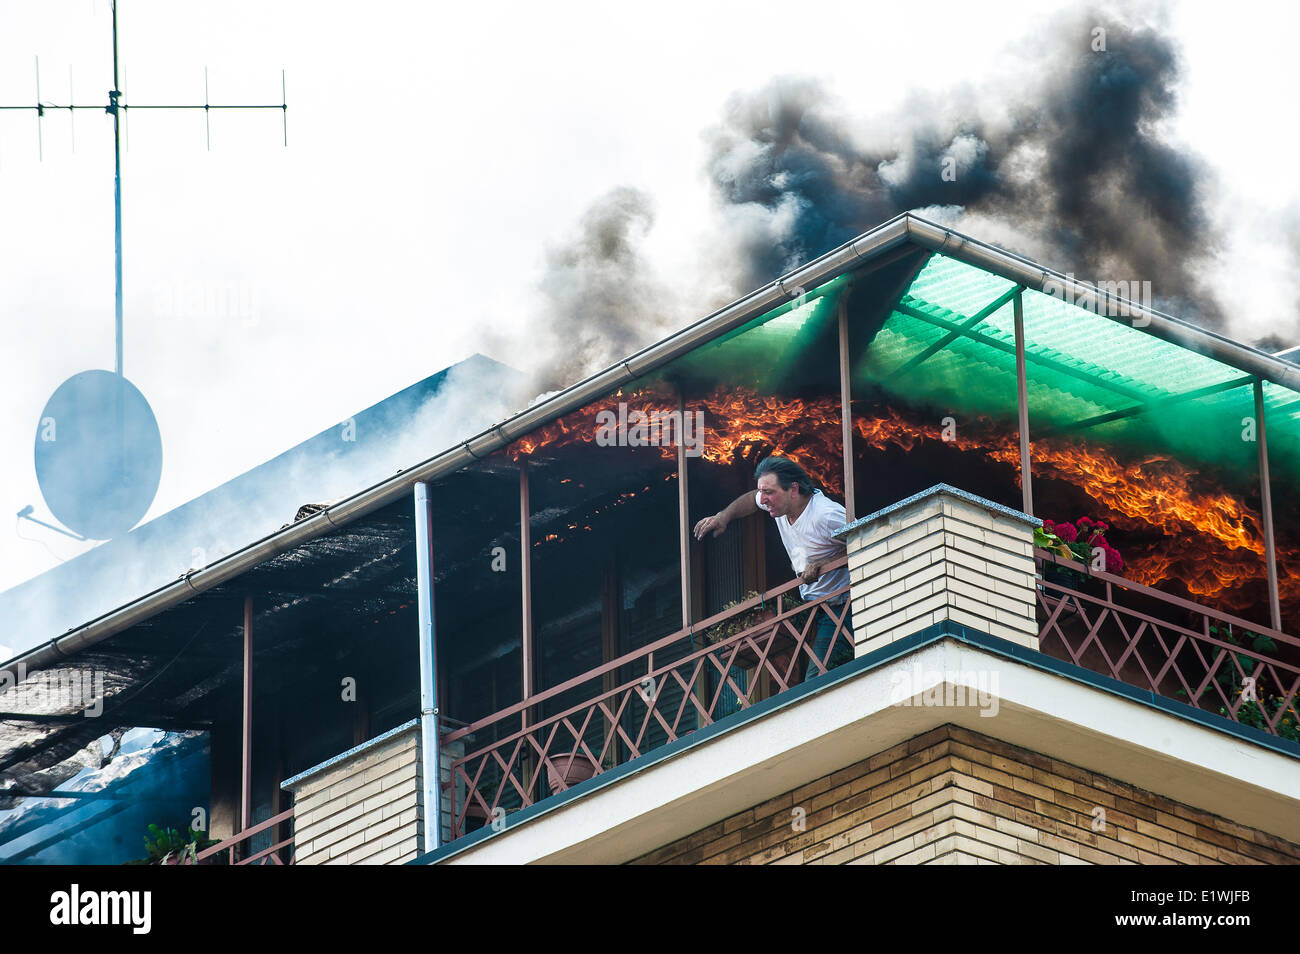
(436, 152)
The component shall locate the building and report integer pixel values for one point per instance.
(602, 687)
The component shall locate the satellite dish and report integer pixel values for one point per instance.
(98, 454)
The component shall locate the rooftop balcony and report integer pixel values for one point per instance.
(581, 633)
(939, 564)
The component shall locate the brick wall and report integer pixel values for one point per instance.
(952, 796)
(363, 809)
(942, 555)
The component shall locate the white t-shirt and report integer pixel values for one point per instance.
(808, 540)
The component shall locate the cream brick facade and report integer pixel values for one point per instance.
(953, 796)
(363, 807)
(942, 554)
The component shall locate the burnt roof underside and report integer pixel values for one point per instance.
(342, 602)
(183, 668)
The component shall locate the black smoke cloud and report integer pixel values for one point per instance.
(1071, 167)
(602, 299)
(1069, 162)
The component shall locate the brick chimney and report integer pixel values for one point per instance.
(942, 554)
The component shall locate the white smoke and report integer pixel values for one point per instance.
(470, 399)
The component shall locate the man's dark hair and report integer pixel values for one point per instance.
(787, 473)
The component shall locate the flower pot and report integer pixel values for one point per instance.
(1073, 579)
(565, 771)
(747, 654)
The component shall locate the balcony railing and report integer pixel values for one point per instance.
(237, 852)
(1173, 647)
(1170, 646)
(677, 685)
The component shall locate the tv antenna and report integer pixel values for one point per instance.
(118, 110)
(98, 449)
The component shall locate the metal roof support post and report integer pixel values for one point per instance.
(430, 748)
(846, 409)
(683, 512)
(246, 778)
(526, 585)
(1022, 398)
(1266, 502)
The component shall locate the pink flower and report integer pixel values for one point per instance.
(1066, 532)
(1083, 522)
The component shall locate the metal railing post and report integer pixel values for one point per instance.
(526, 604)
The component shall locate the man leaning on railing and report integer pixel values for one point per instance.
(806, 519)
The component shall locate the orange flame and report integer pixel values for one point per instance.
(1212, 541)
(578, 427)
(740, 426)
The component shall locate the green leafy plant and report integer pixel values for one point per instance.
(1264, 706)
(166, 845)
(741, 621)
(751, 617)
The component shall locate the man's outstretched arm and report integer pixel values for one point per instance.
(742, 506)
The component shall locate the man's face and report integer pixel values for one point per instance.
(774, 497)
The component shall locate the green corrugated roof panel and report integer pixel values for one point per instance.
(759, 350)
(962, 289)
(898, 342)
(1080, 365)
(1282, 414)
(1116, 350)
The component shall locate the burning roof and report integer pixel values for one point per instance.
(1142, 417)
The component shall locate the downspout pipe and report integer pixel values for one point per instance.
(430, 763)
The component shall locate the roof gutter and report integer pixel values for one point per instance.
(902, 228)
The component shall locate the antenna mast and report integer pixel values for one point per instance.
(118, 110)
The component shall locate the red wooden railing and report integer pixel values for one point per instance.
(1134, 633)
(1170, 646)
(235, 848)
(663, 701)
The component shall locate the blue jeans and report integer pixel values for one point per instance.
(843, 651)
